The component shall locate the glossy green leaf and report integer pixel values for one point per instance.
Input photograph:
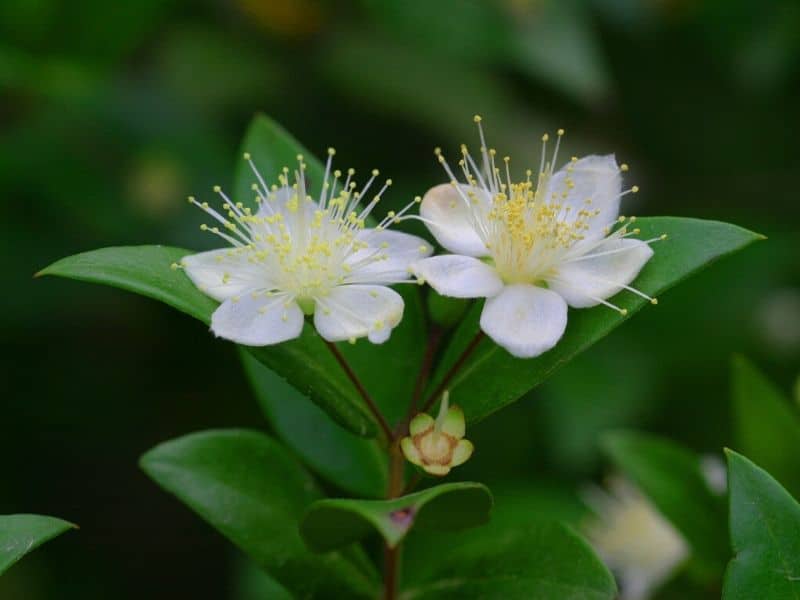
(250, 489)
(352, 463)
(670, 475)
(492, 378)
(333, 523)
(145, 270)
(765, 535)
(527, 560)
(766, 424)
(20, 534)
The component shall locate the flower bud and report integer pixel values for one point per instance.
(437, 445)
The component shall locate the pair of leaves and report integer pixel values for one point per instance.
(671, 477)
(765, 535)
(257, 495)
(20, 534)
(334, 523)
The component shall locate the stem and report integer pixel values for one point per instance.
(434, 339)
(453, 371)
(361, 390)
(391, 561)
(391, 556)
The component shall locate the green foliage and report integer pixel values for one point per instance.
(766, 425)
(351, 463)
(765, 535)
(671, 477)
(20, 534)
(333, 523)
(492, 378)
(527, 559)
(250, 489)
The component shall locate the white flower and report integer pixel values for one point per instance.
(633, 539)
(295, 256)
(531, 247)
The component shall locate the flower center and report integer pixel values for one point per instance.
(527, 232)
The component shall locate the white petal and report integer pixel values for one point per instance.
(595, 178)
(451, 221)
(354, 311)
(258, 320)
(387, 258)
(224, 273)
(601, 273)
(524, 319)
(458, 276)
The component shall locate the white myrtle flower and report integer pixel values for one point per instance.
(294, 256)
(533, 247)
(639, 545)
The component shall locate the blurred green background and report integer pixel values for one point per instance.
(112, 113)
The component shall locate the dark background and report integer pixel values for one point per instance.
(112, 112)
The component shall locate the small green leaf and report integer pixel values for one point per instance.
(492, 378)
(352, 463)
(765, 535)
(145, 270)
(333, 523)
(20, 534)
(671, 477)
(250, 489)
(766, 425)
(527, 560)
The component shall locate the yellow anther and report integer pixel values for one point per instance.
(545, 137)
(217, 189)
(635, 189)
(477, 118)
(331, 151)
(246, 156)
(653, 300)
(560, 132)
(623, 312)
(623, 167)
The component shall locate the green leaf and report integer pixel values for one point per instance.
(492, 378)
(333, 523)
(20, 534)
(305, 362)
(671, 477)
(766, 425)
(765, 535)
(144, 270)
(352, 463)
(250, 489)
(528, 560)
(271, 148)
